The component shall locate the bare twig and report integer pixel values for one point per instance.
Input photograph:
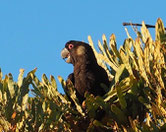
(136, 24)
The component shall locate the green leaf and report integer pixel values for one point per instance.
(110, 94)
(73, 96)
(99, 124)
(125, 60)
(11, 85)
(160, 31)
(53, 83)
(25, 102)
(155, 128)
(120, 115)
(20, 78)
(45, 80)
(121, 97)
(119, 72)
(5, 124)
(113, 47)
(61, 80)
(1, 75)
(1, 99)
(145, 33)
(44, 106)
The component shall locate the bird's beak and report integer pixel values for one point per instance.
(65, 54)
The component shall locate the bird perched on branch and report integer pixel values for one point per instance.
(88, 75)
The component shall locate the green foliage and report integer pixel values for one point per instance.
(136, 100)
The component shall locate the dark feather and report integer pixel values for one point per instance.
(87, 75)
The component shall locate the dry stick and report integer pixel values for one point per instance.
(136, 24)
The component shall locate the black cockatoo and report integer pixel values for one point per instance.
(88, 75)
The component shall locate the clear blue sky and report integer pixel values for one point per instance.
(33, 32)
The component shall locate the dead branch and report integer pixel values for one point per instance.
(136, 24)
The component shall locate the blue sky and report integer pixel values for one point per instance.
(33, 32)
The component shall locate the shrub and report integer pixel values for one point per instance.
(136, 100)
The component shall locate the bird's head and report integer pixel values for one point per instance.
(74, 51)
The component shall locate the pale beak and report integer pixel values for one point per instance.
(65, 54)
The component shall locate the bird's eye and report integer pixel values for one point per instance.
(70, 46)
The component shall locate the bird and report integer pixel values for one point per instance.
(87, 76)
